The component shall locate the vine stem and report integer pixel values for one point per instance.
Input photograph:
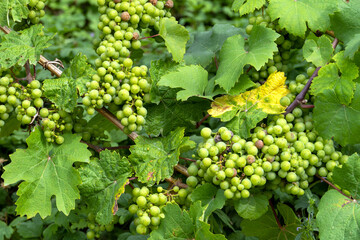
(188, 159)
(181, 169)
(99, 149)
(156, 35)
(198, 124)
(332, 185)
(275, 215)
(176, 182)
(301, 96)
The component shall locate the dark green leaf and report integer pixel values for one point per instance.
(253, 207)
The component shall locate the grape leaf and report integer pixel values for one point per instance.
(62, 92)
(243, 122)
(328, 78)
(177, 224)
(252, 207)
(17, 48)
(234, 56)
(10, 126)
(5, 231)
(154, 159)
(46, 170)
(15, 9)
(103, 181)
(339, 214)
(247, 6)
(175, 36)
(207, 44)
(203, 233)
(347, 67)
(163, 118)
(209, 196)
(80, 71)
(269, 227)
(30, 229)
(295, 16)
(334, 119)
(346, 26)
(157, 70)
(266, 97)
(193, 79)
(318, 50)
(348, 176)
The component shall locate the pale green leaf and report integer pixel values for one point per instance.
(252, 207)
(347, 67)
(295, 16)
(348, 176)
(17, 48)
(154, 159)
(80, 71)
(346, 26)
(176, 225)
(338, 217)
(5, 231)
(234, 56)
(175, 36)
(103, 181)
(247, 6)
(318, 51)
(203, 233)
(62, 92)
(193, 79)
(15, 10)
(335, 120)
(46, 170)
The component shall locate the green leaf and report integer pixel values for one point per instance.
(348, 176)
(80, 71)
(295, 16)
(203, 233)
(207, 44)
(46, 170)
(266, 227)
(157, 70)
(346, 26)
(176, 225)
(209, 196)
(14, 9)
(328, 78)
(103, 181)
(5, 231)
(248, 7)
(334, 119)
(175, 36)
(243, 122)
(347, 67)
(31, 229)
(17, 48)
(234, 56)
(252, 207)
(318, 51)
(62, 92)
(10, 126)
(163, 118)
(193, 79)
(338, 217)
(154, 159)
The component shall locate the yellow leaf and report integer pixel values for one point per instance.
(266, 97)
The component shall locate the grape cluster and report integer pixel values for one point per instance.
(286, 42)
(286, 153)
(296, 86)
(147, 207)
(36, 10)
(117, 80)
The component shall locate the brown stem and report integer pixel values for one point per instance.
(216, 63)
(275, 215)
(112, 118)
(156, 35)
(306, 106)
(300, 97)
(116, 148)
(176, 182)
(94, 147)
(182, 170)
(188, 159)
(198, 124)
(29, 76)
(332, 185)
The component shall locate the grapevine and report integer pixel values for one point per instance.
(161, 119)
